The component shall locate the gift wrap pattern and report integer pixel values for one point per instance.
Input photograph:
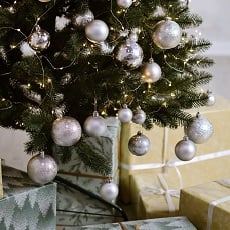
(26, 205)
(1, 188)
(80, 209)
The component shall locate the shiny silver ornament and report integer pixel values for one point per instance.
(42, 168)
(139, 116)
(124, 3)
(166, 34)
(39, 40)
(82, 19)
(66, 131)
(95, 125)
(139, 144)
(125, 114)
(151, 71)
(109, 191)
(185, 149)
(199, 130)
(96, 31)
(211, 98)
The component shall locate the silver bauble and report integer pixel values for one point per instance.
(66, 131)
(166, 34)
(96, 31)
(139, 116)
(125, 114)
(39, 40)
(95, 125)
(185, 149)
(42, 168)
(129, 54)
(109, 191)
(139, 144)
(44, 0)
(199, 130)
(82, 19)
(151, 72)
(211, 98)
(124, 3)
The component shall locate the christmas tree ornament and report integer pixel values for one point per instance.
(39, 40)
(124, 3)
(139, 116)
(66, 131)
(44, 0)
(109, 191)
(166, 34)
(42, 168)
(183, 3)
(61, 22)
(211, 98)
(95, 125)
(199, 130)
(139, 144)
(96, 31)
(82, 19)
(125, 114)
(151, 71)
(185, 149)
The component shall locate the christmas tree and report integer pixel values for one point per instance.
(67, 64)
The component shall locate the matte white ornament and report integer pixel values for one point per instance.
(125, 114)
(211, 98)
(124, 3)
(139, 116)
(109, 191)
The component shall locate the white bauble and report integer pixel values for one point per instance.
(124, 3)
(125, 114)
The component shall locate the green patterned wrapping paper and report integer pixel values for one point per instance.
(26, 205)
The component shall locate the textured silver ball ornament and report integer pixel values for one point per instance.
(125, 114)
(199, 130)
(39, 40)
(151, 71)
(96, 31)
(95, 125)
(139, 116)
(66, 131)
(139, 144)
(185, 149)
(124, 3)
(211, 98)
(82, 19)
(109, 191)
(42, 168)
(166, 34)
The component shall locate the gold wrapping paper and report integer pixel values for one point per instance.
(1, 188)
(163, 141)
(195, 201)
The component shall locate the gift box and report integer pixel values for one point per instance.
(210, 156)
(26, 205)
(75, 207)
(207, 205)
(1, 189)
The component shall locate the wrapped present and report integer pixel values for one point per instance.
(210, 155)
(207, 205)
(26, 205)
(1, 189)
(75, 207)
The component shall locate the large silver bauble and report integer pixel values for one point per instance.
(124, 3)
(129, 54)
(66, 131)
(199, 130)
(96, 31)
(125, 114)
(139, 144)
(166, 34)
(211, 98)
(185, 149)
(95, 125)
(42, 168)
(109, 191)
(151, 72)
(39, 40)
(139, 116)
(82, 19)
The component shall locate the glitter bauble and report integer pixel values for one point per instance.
(166, 34)
(66, 131)
(199, 130)
(39, 40)
(124, 3)
(139, 144)
(185, 149)
(96, 31)
(151, 72)
(125, 114)
(82, 19)
(211, 98)
(42, 168)
(139, 116)
(95, 125)
(109, 191)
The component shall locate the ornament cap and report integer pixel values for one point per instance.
(185, 138)
(125, 106)
(197, 114)
(95, 114)
(151, 60)
(139, 133)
